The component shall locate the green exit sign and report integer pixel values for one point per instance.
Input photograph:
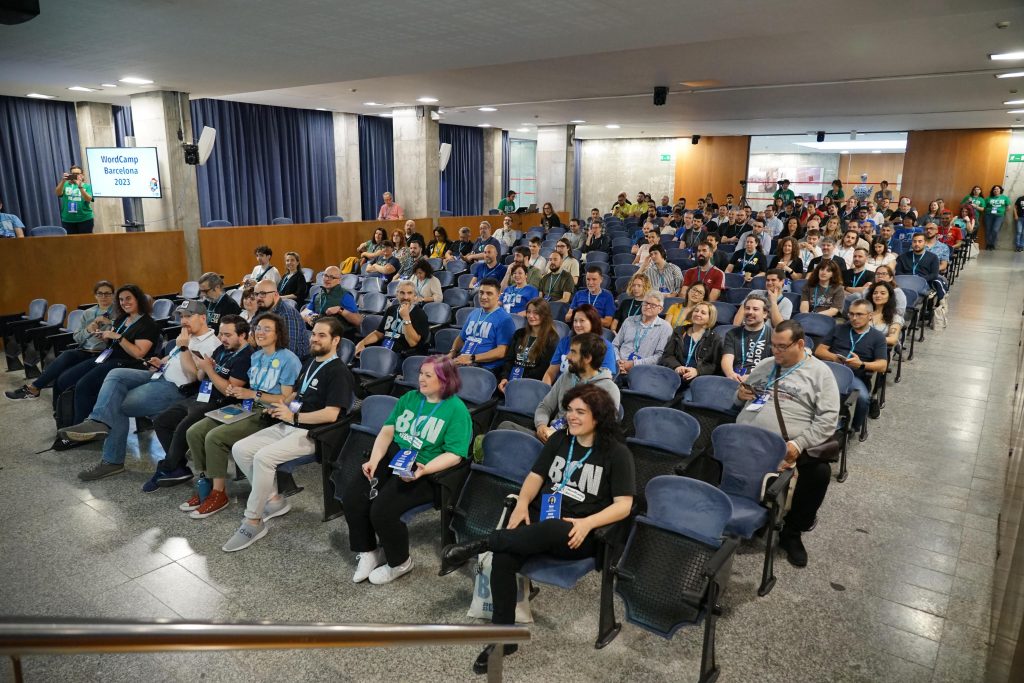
(1014, 158)
(668, 157)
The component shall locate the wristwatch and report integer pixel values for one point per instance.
(862, 365)
(407, 322)
(295, 419)
(472, 358)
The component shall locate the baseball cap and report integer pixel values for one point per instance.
(190, 308)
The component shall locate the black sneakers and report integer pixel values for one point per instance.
(20, 394)
(480, 665)
(794, 547)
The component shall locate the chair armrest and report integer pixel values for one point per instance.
(780, 485)
(614, 535)
(721, 556)
(851, 402)
(481, 407)
(337, 430)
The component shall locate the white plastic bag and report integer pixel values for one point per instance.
(482, 607)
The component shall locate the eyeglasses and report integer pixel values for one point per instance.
(204, 291)
(778, 348)
(373, 488)
(104, 294)
(652, 304)
(264, 330)
(262, 294)
(856, 314)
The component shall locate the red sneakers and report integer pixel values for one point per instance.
(215, 502)
(192, 504)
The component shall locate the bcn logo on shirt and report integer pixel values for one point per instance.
(478, 328)
(427, 428)
(588, 477)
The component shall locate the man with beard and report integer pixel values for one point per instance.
(704, 272)
(269, 301)
(557, 285)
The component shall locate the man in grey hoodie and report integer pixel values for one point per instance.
(809, 402)
(586, 351)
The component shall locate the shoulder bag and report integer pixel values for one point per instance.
(827, 451)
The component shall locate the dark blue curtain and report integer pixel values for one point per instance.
(577, 171)
(267, 162)
(376, 163)
(38, 142)
(123, 128)
(462, 181)
(506, 165)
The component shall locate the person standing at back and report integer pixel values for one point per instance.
(75, 196)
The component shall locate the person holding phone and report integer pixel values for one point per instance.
(75, 196)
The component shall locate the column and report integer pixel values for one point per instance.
(555, 166)
(346, 166)
(96, 129)
(417, 172)
(493, 181)
(156, 117)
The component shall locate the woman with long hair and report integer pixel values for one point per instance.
(879, 254)
(787, 258)
(694, 348)
(677, 314)
(884, 318)
(372, 248)
(293, 282)
(932, 215)
(836, 194)
(439, 245)
(531, 346)
(638, 287)
(583, 479)
(976, 199)
(833, 229)
(584, 319)
(401, 251)
(824, 291)
(548, 218)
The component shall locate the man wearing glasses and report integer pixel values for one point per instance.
(333, 299)
(218, 303)
(642, 338)
(269, 301)
(809, 404)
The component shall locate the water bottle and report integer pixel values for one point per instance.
(203, 487)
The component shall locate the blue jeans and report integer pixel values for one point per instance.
(61, 363)
(993, 222)
(1019, 244)
(129, 393)
(863, 401)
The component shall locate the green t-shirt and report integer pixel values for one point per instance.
(784, 195)
(997, 205)
(836, 195)
(444, 427)
(977, 202)
(507, 206)
(73, 209)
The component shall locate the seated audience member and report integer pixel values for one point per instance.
(506, 234)
(131, 392)
(535, 260)
(519, 293)
(694, 348)
(828, 248)
(520, 255)
(548, 218)
(404, 327)
(787, 259)
(485, 336)
(531, 346)
(747, 345)
(218, 302)
(750, 261)
(390, 210)
(250, 305)
(860, 347)
(411, 236)
(935, 246)
(639, 286)
(569, 263)
(677, 313)
(860, 276)
(690, 233)
(950, 234)
(642, 338)
(438, 246)
(557, 284)
(642, 252)
(325, 393)
(763, 238)
(264, 269)
(921, 262)
(273, 372)
(601, 299)
(10, 225)
(879, 254)
(488, 268)
(433, 428)
(705, 272)
(333, 300)
(665, 277)
(547, 518)
(596, 240)
(884, 317)
(478, 252)
(269, 301)
(94, 321)
(779, 306)
(585, 320)
(824, 291)
(227, 365)
(293, 283)
(809, 249)
(461, 247)
(373, 247)
(575, 235)
(886, 274)
(428, 287)
(386, 265)
(409, 261)
(810, 412)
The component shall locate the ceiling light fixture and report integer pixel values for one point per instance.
(426, 100)
(522, 130)
(861, 145)
(1012, 74)
(321, 109)
(371, 104)
(613, 126)
(483, 125)
(108, 85)
(1006, 56)
(844, 151)
(386, 115)
(487, 109)
(1016, 111)
(876, 151)
(79, 88)
(40, 96)
(135, 80)
(1014, 102)
(577, 121)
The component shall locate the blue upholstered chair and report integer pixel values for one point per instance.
(663, 444)
(647, 385)
(522, 396)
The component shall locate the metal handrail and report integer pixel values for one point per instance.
(27, 635)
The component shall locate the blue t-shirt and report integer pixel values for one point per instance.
(8, 222)
(562, 351)
(603, 302)
(482, 270)
(484, 332)
(268, 373)
(514, 299)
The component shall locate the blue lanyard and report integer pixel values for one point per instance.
(280, 285)
(818, 301)
(414, 428)
(749, 261)
(692, 349)
(121, 328)
(490, 273)
(594, 300)
(784, 375)
(309, 378)
(552, 281)
(570, 466)
(853, 343)
(483, 319)
(264, 370)
(639, 339)
(915, 262)
(222, 361)
(630, 314)
(743, 341)
(858, 276)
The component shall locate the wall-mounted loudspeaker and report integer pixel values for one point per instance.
(821, 136)
(694, 140)
(660, 95)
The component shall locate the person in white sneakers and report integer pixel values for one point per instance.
(325, 388)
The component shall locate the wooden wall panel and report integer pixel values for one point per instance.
(947, 163)
(63, 270)
(715, 164)
(879, 167)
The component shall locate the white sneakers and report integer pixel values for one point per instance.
(367, 563)
(373, 566)
(386, 573)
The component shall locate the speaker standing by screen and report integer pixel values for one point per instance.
(124, 172)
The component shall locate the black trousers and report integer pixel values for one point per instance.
(811, 486)
(79, 228)
(513, 547)
(380, 518)
(170, 427)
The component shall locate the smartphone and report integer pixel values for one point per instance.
(197, 354)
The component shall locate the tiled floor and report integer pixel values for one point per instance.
(898, 587)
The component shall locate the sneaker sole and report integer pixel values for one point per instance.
(195, 513)
(394, 578)
(101, 476)
(29, 397)
(81, 437)
(185, 507)
(286, 509)
(167, 482)
(252, 540)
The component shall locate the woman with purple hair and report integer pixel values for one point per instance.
(428, 431)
